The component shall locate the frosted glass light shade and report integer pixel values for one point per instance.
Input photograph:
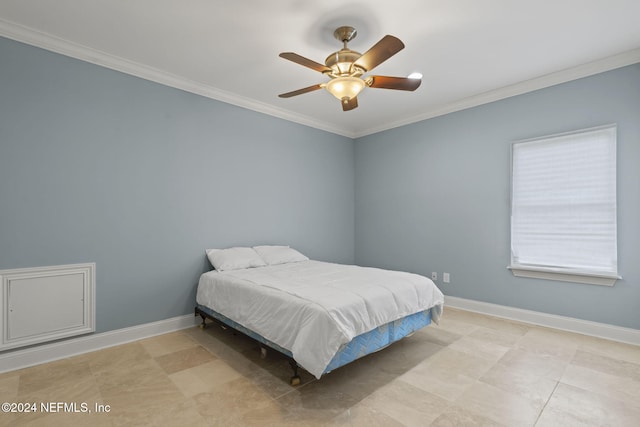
(345, 87)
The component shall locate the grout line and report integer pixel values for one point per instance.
(546, 403)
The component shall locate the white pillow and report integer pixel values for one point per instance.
(273, 255)
(234, 258)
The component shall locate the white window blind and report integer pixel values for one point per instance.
(563, 204)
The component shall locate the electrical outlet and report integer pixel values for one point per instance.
(434, 276)
(445, 277)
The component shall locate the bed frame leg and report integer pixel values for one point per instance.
(204, 322)
(295, 379)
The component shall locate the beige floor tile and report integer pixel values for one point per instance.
(540, 364)
(131, 404)
(504, 339)
(498, 405)
(137, 373)
(472, 370)
(559, 344)
(495, 323)
(617, 387)
(115, 358)
(229, 404)
(404, 355)
(275, 379)
(190, 384)
(167, 343)
(450, 324)
(558, 336)
(616, 350)
(522, 382)
(362, 415)
(269, 414)
(445, 383)
(407, 404)
(204, 378)
(60, 384)
(78, 391)
(226, 346)
(61, 373)
(179, 413)
(184, 359)
(572, 406)
(469, 317)
(481, 348)
(271, 374)
(439, 336)
(8, 419)
(9, 387)
(71, 420)
(224, 338)
(448, 360)
(316, 402)
(358, 379)
(607, 365)
(215, 372)
(456, 416)
(23, 417)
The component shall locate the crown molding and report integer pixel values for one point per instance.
(55, 44)
(595, 67)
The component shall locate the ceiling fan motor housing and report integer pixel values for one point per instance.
(341, 62)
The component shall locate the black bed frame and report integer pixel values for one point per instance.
(295, 378)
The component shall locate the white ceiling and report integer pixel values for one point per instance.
(469, 51)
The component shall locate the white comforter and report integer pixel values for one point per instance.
(312, 308)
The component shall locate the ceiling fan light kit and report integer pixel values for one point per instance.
(345, 87)
(346, 69)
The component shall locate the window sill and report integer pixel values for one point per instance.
(551, 274)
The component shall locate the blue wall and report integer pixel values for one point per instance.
(434, 196)
(98, 166)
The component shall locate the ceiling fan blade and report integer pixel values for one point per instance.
(350, 104)
(398, 83)
(294, 57)
(301, 91)
(380, 52)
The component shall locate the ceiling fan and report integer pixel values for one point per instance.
(346, 68)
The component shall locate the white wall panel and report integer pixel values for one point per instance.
(46, 303)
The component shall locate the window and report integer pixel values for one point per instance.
(563, 207)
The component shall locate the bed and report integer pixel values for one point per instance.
(321, 315)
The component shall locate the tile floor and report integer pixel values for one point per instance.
(471, 370)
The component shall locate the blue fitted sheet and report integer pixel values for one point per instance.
(360, 346)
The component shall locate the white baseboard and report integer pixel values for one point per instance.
(570, 324)
(19, 359)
